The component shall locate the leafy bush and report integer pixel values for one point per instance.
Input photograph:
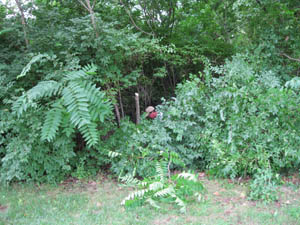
(251, 122)
(45, 152)
(137, 147)
(236, 123)
(251, 126)
(126, 154)
(25, 157)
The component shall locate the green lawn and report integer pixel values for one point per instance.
(98, 202)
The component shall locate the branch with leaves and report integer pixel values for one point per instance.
(133, 22)
(74, 99)
(174, 188)
(90, 8)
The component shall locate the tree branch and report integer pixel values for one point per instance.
(289, 57)
(23, 22)
(132, 20)
(90, 9)
(150, 21)
(83, 5)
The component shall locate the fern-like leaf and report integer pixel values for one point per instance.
(90, 134)
(156, 186)
(74, 75)
(42, 89)
(52, 123)
(152, 203)
(181, 204)
(90, 69)
(77, 104)
(165, 192)
(137, 194)
(112, 154)
(80, 74)
(161, 167)
(21, 105)
(32, 61)
(131, 180)
(188, 176)
(100, 107)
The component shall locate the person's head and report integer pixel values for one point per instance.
(149, 110)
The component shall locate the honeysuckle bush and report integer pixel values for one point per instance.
(229, 120)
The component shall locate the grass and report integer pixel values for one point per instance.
(98, 202)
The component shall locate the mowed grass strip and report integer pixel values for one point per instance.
(98, 202)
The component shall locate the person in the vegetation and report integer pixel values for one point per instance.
(151, 113)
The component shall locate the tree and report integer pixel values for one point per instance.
(23, 20)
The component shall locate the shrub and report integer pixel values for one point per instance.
(236, 123)
(70, 106)
(25, 157)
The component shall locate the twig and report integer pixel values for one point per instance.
(291, 58)
(83, 5)
(151, 19)
(132, 20)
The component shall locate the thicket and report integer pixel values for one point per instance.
(240, 124)
(222, 75)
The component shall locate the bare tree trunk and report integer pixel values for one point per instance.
(117, 114)
(137, 106)
(23, 22)
(121, 104)
(174, 77)
(90, 8)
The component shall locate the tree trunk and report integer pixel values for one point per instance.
(137, 106)
(90, 8)
(117, 114)
(121, 104)
(23, 22)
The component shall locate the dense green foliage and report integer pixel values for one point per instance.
(223, 76)
(242, 123)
